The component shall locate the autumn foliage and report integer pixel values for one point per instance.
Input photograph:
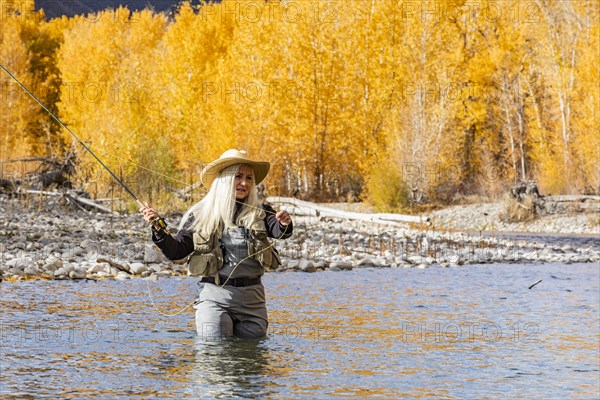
(388, 101)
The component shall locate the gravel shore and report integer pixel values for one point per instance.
(55, 244)
(487, 217)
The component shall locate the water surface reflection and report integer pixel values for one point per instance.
(471, 332)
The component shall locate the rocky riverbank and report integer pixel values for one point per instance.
(488, 217)
(55, 244)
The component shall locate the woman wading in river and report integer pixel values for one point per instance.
(225, 238)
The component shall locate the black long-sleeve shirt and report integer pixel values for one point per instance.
(181, 244)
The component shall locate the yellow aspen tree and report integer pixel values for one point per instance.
(103, 93)
(18, 110)
(195, 43)
(505, 131)
(43, 40)
(321, 67)
(437, 98)
(367, 90)
(273, 89)
(564, 33)
(422, 117)
(586, 113)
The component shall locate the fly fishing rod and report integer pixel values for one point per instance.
(158, 223)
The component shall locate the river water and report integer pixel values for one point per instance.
(469, 332)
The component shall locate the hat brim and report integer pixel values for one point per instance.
(212, 170)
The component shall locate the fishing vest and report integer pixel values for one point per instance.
(207, 257)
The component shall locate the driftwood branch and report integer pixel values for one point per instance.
(27, 159)
(71, 196)
(87, 202)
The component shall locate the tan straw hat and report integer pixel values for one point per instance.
(229, 158)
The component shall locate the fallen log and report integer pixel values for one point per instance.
(573, 197)
(45, 193)
(301, 207)
(571, 203)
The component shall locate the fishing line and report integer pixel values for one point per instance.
(158, 310)
(158, 223)
(228, 277)
(70, 131)
(86, 147)
(142, 167)
(252, 255)
(234, 268)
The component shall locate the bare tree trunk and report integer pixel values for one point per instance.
(521, 140)
(563, 47)
(509, 126)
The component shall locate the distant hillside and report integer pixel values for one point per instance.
(53, 8)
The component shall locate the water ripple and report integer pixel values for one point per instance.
(469, 332)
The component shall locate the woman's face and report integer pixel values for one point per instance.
(244, 180)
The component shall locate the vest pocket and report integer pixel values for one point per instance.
(275, 259)
(269, 258)
(203, 264)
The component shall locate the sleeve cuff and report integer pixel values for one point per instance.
(157, 236)
(285, 229)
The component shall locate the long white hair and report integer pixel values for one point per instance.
(217, 209)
